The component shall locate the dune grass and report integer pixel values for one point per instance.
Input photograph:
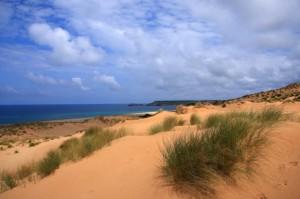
(195, 119)
(49, 164)
(167, 124)
(7, 181)
(267, 116)
(231, 144)
(72, 149)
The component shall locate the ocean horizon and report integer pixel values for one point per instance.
(15, 114)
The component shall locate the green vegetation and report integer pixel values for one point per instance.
(25, 171)
(49, 164)
(168, 124)
(7, 181)
(72, 149)
(230, 145)
(267, 116)
(195, 119)
(180, 122)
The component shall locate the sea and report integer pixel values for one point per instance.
(13, 114)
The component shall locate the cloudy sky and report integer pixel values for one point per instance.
(123, 51)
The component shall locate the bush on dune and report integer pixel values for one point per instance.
(168, 124)
(231, 145)
(267, 116)
(49, 164)
(7, 181)
(93, 139)
(195, 119)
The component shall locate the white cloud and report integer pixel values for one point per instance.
(108, 80)
(38, 78)
(214, 47)
(219, 49)
(78, 82)
(8, 90)
(66, 49)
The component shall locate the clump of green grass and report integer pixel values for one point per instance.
(49, 164)
(231, 145)
(195, 119)
(168, 124)
(267, 116)
(69, 149)
(25, 171)
(7, 181)
(156, 129)
(180, 122)
(93, 139)
(270, 115)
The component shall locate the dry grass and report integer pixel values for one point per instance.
(195, 119)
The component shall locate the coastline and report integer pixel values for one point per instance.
(82, 119)
(14, 115)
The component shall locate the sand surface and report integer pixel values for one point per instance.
(129, 167)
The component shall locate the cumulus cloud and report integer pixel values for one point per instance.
(78, 82)
(66, 49)
(211, 46)
(108, 80)
(38, 78)
(174, 48)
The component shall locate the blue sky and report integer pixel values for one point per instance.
(123, 51)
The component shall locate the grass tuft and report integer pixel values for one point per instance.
(93, 139)
(49, 164)
(231, 145)
(156, 129)
(168, 124)
(25, 171)
(267, 116)
(7, 181)
(69, 149)
(195, 119)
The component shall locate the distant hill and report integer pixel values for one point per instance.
(290, 93)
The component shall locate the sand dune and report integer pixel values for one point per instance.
(129, 167)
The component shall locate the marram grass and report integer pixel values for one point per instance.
(231, 144)
(166, 125)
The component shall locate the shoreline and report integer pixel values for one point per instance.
(81, 119)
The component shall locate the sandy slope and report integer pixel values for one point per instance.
(129, 167)
(10, 161)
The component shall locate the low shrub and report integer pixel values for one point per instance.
(25, 171)
(49, 164)
(195, 119)
(7, 181)
(156, 129)
(168, 124)
(69, 149)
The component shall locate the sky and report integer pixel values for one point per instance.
(137, 51)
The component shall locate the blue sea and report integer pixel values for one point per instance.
(12, 114)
